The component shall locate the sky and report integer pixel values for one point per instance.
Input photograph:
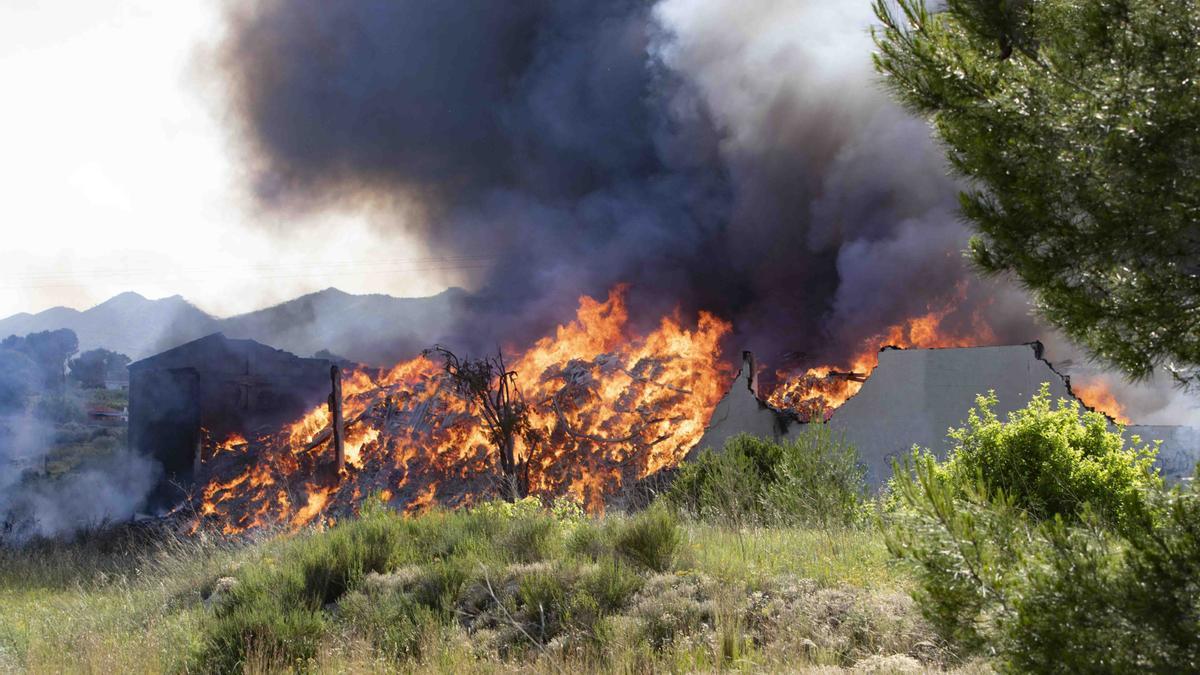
(117, 174)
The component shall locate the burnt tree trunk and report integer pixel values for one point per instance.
(335, 411)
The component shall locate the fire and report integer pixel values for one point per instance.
(1096, 394)
(610, 407)
(822, 389)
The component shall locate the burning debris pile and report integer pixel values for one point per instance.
(608, 407)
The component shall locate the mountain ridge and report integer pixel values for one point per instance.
(373, 328)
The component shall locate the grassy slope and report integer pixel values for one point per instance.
(776, 599)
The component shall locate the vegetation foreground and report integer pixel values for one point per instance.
(496, 589)
(1042, 543)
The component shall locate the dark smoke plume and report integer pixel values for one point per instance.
(719, 155)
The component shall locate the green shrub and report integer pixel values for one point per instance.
(651, 539)
(1097, 600)
(1064, 594)
(336, 562)
(813, 480)
(263, 633)
(530, 538)
(274, 611)
(964, 547)
(611, 584)
(394, 623)
(819, 482)
(1052, 461)
(727, 487)
(59, 409)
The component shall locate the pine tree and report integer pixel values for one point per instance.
(1076, 124)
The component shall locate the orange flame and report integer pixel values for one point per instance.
(822, 389)
(1096, 394)
(611, 406)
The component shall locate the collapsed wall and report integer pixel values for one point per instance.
(914, 396)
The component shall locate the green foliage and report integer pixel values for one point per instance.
(392, 621)
(19, 380)
(819, 482)
(262, 633)
(395, 580)
(1051, 461)
(814, 480)
(456, 598)
(1054, 594)
(92, 368)
(1128, 602)
(651, 539)
(1077, 125)
(59, 409)
(963, 545)
(611, 584)
(49, 350)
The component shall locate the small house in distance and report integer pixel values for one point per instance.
(218, 386)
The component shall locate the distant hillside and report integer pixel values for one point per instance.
(127, 323)
(375, 329)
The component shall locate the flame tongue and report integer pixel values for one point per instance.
(1096, 394)
(612, 407)
(822, 389)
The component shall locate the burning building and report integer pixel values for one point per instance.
(214, 387)
(610, 406)
(913, 397)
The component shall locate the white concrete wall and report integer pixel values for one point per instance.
(915, 396)
(740, 412)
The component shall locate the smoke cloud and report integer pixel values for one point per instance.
(716, 155)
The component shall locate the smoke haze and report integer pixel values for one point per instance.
(103, 488)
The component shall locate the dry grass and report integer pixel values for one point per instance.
(769, 600)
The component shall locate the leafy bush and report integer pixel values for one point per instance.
(395, 626)
(727, 487)
(818, 482)
(1051, 462)
(526, 573)
(1099, 600)
(1107, 590)
(59, 409)
(265, 633)
(274, 611)
(964, 547)
(611, 584)
(814, 480)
